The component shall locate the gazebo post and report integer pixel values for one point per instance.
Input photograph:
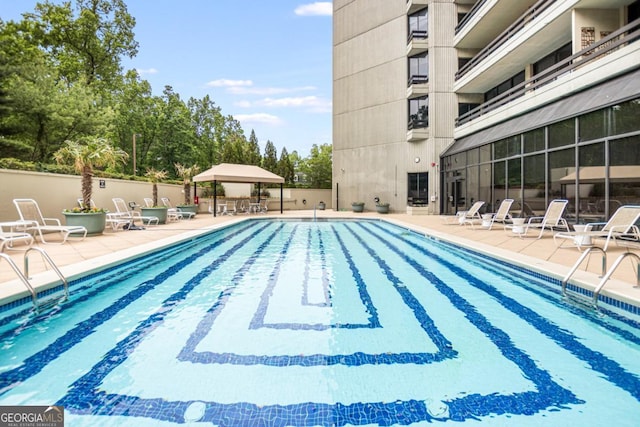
(281, 200)
(215, 197)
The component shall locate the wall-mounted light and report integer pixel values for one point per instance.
(417, 159)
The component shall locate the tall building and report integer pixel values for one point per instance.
(441, 103)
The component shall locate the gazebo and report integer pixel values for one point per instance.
(229, 172)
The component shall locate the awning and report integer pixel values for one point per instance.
(229, 172)
(593, 174)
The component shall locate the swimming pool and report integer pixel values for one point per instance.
(321, 323)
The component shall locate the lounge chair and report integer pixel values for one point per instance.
(123, 213)
(175, 213)
(466, 217)
(502, 215)
(552, 220)
(9, 237)
(31, 215)
(621, 225)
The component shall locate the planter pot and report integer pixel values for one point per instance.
(159, 212)
(383, 209)
(188, 208)
(93, 222)
(321, 206)
(357, 207)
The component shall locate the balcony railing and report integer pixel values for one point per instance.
(469, 15)
(418, 79)
(417, 34)
(417, 123)
(531, 13)
(623, 37)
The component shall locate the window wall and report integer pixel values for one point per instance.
(592, 160)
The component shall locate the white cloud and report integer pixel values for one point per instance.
(258, 118)
(237, 90)
(311, 103)
(229, 83)
(147, 71)
(322, 8)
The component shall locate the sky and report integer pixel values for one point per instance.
(266, 63)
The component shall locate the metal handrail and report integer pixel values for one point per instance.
(596, 292)
(23, 278)
(47, 258)
(579, 262)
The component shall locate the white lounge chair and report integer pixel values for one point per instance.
(123, 213)
(552, 220)
(502, 215)
(30, 213)
(622, 224)
(8, 237)
(466, 217)
(176, 213)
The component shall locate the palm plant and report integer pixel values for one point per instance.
(155, 176)
(86, 155)
(186, 173)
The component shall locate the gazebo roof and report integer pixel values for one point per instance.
(228, 172)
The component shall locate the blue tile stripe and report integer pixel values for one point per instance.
(34, 364)
(598, 362)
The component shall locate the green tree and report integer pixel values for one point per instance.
(285, 167)
(270, 159)
(86, 155)
(253, 150)
(318, 166)
(208, 123)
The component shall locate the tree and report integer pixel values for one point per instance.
(186, 173)
(270, 159)
(318, 166)
(208, 123)
(86, 155)
(285, 167)
(155, 176)
(253, 150)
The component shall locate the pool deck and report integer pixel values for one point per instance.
(76, 256)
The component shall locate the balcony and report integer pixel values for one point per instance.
(418, 127)
(416, 5)
(418, 43)
(418, 86)
(614, 53)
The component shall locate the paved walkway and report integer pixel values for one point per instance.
(77, 256)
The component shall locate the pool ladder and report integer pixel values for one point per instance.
(24, 278)
(604, 276)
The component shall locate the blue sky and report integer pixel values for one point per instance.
(266, 63)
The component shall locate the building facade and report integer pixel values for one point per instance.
(440, 103)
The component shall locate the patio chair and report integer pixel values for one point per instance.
(466, 217)
(123, 213)
(175, 213)
(501, 216)
(621, 226)
(8, 238)
(552, 220)
(30, 213)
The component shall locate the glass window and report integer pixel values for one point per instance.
(499, 181)
(419, 69)
(473, 156)
(500, 149)
(562, 166)
(533, 141)
(593, 125)
(591, 184)
(418, 188)
(625, 117)
(534, 184)
(419, 112)
(563, 133)
(514, 181)
(485, 153)
(514, 146)
(419, 23)
(552, 59)
(624, 173)
(473, 185)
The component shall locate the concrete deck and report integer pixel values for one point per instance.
(80, 256)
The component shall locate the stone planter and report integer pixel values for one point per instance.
(383, 208)
(159, 212)
(93, 222)
(357, 207)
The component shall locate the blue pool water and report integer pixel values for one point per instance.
(285, 323)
